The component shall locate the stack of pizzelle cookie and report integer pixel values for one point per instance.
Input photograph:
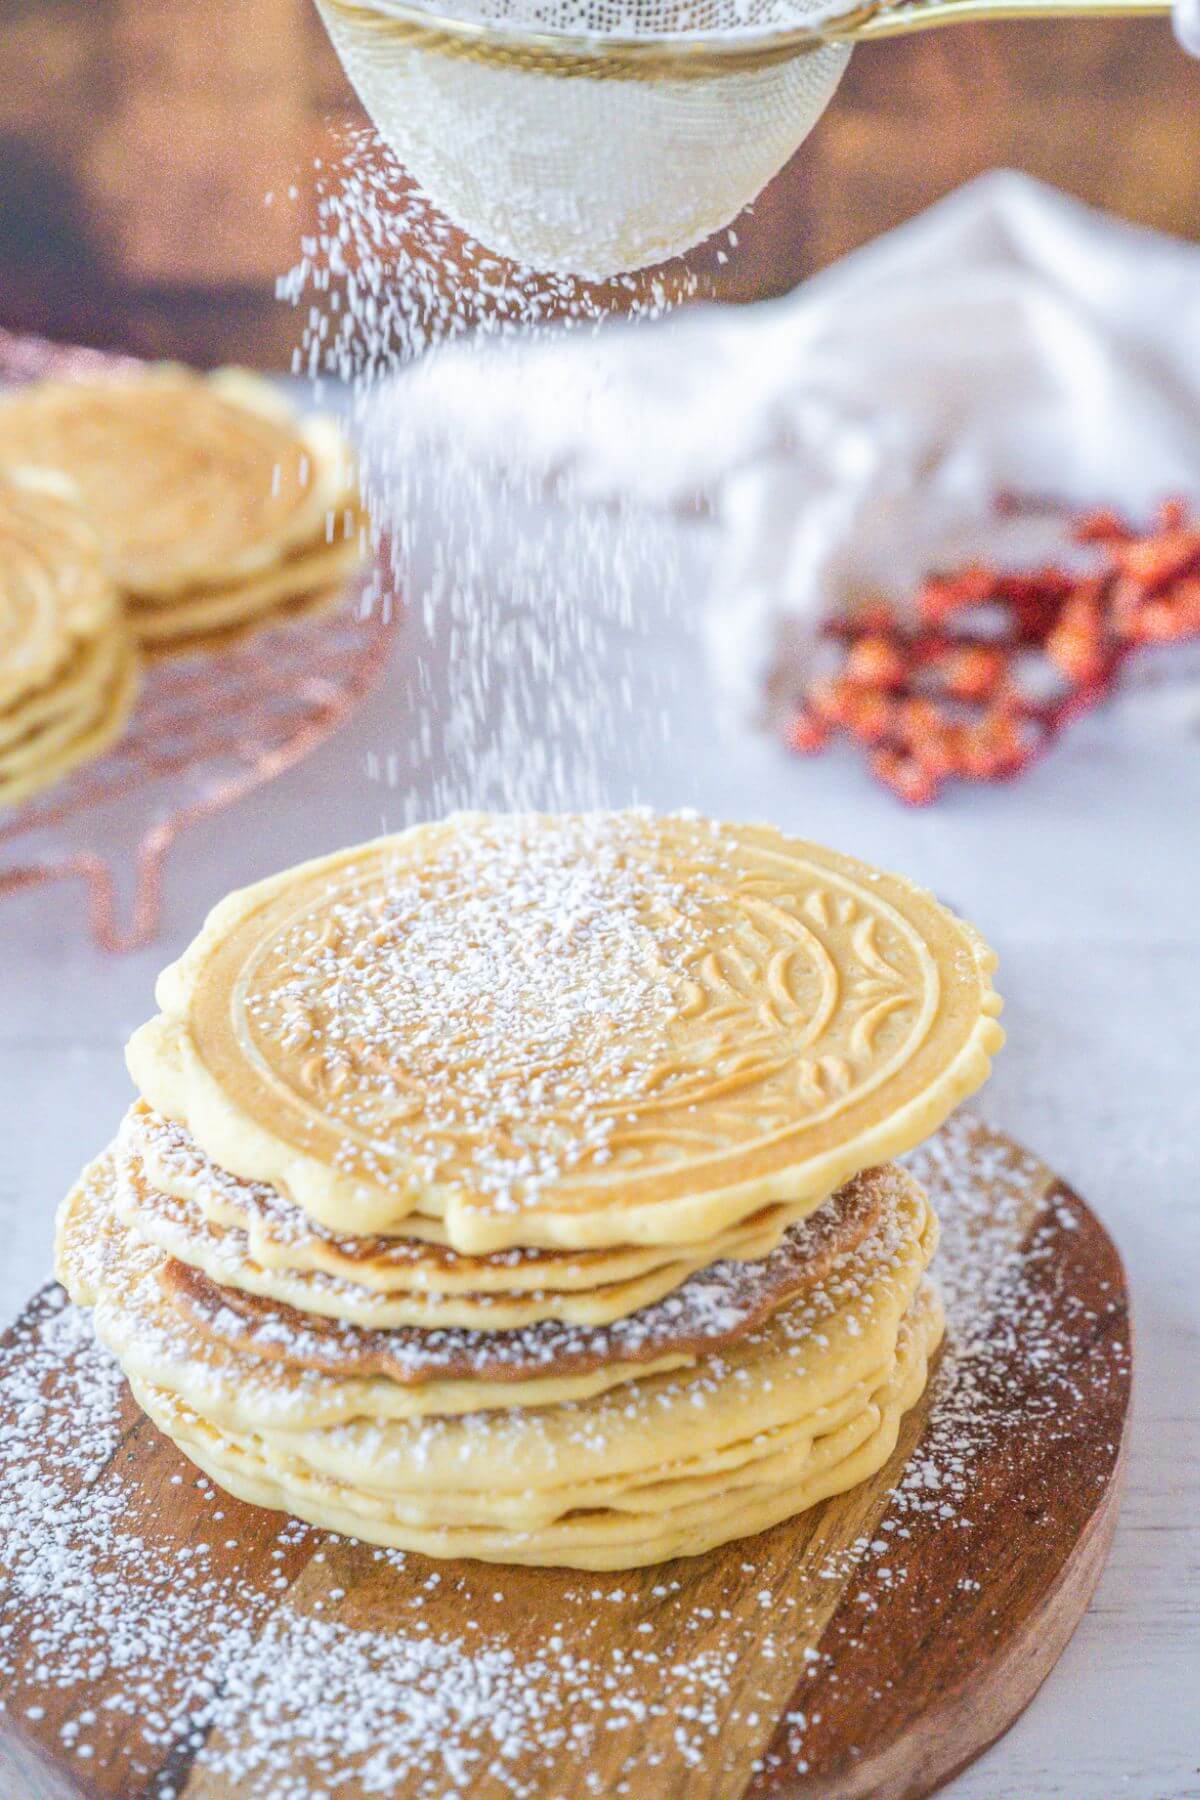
(219, 510)
(69, 669)
(518, 1187)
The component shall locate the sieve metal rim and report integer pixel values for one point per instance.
(683, 56)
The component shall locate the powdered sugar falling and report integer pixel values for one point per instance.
(522, 676)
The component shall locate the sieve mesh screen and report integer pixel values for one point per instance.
(621, 18)
(594, 172)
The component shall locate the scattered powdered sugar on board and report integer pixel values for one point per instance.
(1003, 1326)
(135, 1605)
(522, 675)
(199, 1661)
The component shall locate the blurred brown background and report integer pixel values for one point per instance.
(139, 138)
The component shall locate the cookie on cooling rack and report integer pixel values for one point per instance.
(69, 667)
(220, 511)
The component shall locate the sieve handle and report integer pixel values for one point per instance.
(876, 19)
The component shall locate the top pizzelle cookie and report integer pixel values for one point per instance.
(569, 1031)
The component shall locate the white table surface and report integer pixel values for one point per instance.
(1086, 877)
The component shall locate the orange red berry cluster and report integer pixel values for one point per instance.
(999, 661)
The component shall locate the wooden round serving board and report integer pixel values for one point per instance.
(173, 1642)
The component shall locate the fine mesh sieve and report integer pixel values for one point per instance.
(593, 136)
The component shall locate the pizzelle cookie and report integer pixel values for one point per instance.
(219, 510)
(69, 669)
(69, 692)
(301, 609)
(684, 1514)
(704, 1311)
(189, 480)
(105, 1266)
(517, 1187)
(157, 508)
(569, 1032)
(666, 1459)
(247, 1235)
(56, 596)
(314, 567)
(54, 749)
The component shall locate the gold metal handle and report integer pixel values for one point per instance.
(866, 23)
(692, 56)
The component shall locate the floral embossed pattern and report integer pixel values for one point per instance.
(505, 1016)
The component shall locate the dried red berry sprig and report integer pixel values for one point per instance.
(1001, 660)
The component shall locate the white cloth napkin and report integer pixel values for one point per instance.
(1186, 17)
(852, 432)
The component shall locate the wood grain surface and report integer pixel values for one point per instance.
(873, 1646)
(138, 143)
